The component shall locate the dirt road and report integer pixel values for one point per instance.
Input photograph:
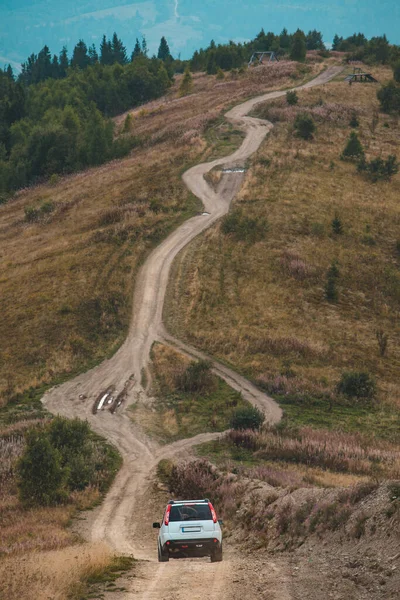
(125, 517)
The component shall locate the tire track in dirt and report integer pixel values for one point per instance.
(117, 519)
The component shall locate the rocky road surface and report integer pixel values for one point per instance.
(124, 518)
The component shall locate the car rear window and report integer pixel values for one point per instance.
(190, 512)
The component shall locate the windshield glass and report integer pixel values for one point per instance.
(190, 512)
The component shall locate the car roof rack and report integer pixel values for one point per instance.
(188, 501)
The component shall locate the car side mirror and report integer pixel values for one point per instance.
(220, 521)
(156, 526)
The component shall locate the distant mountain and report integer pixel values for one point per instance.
(26, 25)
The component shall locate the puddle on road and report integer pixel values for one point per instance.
(234, 170)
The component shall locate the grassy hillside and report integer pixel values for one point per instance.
(70, 249)
(253, 293)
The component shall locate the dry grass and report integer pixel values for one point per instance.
(43, 528)
(56, 575)
(330, 450)
(186, 118)
(66, 282)
(262, 307)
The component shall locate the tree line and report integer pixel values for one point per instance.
(376, 50)
(233, 56)
(61, 125)
(54, 117)
(44, 65)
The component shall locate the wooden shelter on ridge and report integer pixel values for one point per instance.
(258, 57)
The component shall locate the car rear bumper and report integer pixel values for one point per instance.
(195, 547)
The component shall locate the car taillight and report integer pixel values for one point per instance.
(166, 518)
(213, 513)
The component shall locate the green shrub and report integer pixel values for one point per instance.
(54, 179)
(378, 168)
(389, 97)
(247, 418)
(336, 224)
(68, 436)
(186, 86)
(357, 385)
(197, 378)
(81, 470)
(31, 214)
(220, 74)
(41, 476)
(353, 147)
(62, 457)
(47, 207)
(354, 122)
(292, 97)
(304, 126)
(331, 291)
(243, 228)
(127, 124)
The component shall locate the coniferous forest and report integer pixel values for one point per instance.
(55, 117)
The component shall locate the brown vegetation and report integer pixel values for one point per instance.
(59, 575)
(262, 306)
(67, 276)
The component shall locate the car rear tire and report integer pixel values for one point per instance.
(216, 556)
(162, 556)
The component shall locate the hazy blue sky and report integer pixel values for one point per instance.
(26, 25)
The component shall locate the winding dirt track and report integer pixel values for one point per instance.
(121, 521)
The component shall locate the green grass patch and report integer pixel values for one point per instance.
(221, 451)
(179, 415)
(381, 422)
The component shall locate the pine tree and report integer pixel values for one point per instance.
(163, 50)
(144, 46)
(284, 39)
(44, 68)
(80, 57)
(331, 291)
(298, 48)
(118, 50)
(314, 40)
(196, 62)
(9, 72)
(353, 147)
(106, 55)
(63, 62)
(163, 80)
(211, 64)
(336, 225)
(336, 42)
(93, 56)
(137, 51)
(186, 84)
(55, 67)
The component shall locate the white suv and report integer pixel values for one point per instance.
(190, 528)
